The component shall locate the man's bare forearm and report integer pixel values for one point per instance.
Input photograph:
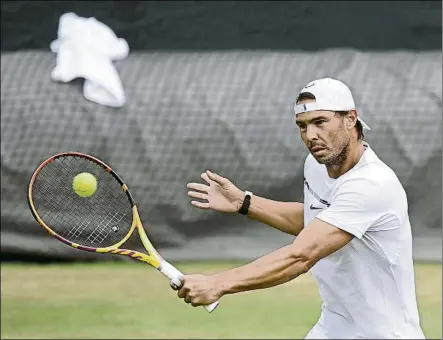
(270, 270)
(285, 216)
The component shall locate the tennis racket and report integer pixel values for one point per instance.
(101, 222)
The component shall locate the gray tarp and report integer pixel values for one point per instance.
(230, 112)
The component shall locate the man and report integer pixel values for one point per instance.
(353, 230)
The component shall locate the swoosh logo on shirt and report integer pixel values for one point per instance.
(313, 207)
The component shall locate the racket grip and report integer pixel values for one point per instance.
(174, 275)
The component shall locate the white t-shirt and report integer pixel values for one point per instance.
(367, 287)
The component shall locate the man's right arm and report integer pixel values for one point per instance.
(285, 216)
(220, 194)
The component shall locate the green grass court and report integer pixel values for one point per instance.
(132, 300)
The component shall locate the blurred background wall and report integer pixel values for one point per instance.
(212, 85)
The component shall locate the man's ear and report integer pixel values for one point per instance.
(351, 119)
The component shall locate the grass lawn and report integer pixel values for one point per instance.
(132, 300)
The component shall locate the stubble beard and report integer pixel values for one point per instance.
(339, 155)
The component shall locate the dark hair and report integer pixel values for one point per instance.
(358, 125)
(305, 95)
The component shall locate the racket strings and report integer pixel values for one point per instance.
(97, 235)
(102, 231)
(100, 220)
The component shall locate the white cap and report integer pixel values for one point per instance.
(331, 95)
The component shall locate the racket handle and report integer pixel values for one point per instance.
(174, 275)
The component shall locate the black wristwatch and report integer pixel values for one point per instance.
(246, 203)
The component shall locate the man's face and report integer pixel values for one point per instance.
(325, 135)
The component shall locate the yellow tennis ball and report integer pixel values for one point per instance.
(84, 184)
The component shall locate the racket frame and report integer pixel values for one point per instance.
(154, 259)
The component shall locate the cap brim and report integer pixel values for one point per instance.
(365, 126)
(302, 108)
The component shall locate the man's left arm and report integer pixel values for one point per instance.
(315, 242)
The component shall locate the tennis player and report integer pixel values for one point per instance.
(352, 231)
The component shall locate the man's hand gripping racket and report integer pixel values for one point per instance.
(99, 219)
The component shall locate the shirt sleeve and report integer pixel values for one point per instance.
(356, 205)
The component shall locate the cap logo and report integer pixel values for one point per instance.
(309, 85)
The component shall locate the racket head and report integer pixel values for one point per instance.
(99, 223)
(74, 220)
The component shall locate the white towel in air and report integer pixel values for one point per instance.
(86, 48)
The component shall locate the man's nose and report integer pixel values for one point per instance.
(311, 133)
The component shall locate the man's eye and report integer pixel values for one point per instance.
(320, 122)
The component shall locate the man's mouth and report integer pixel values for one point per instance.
(317, 148)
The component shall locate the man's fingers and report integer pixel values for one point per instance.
(182, 292)
(205, 177)
(197, 194)
(216, 178)
(201, 205)
(198, 186)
